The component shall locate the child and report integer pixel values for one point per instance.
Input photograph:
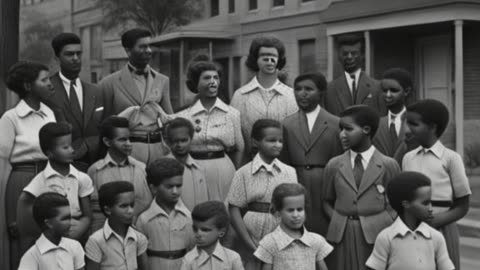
(311, 140)
(409, 243)
(116, 166)
(252, 188)
(117, 245)
(426, 121)
(179, 134)
(354, 190)
(390, 139)
(53, 250)
(210, 224)
(291, 246)
(61, 177)
(167, 222)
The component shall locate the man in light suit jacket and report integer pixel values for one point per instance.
(75, 101)
(354, 86)
(311, 139)
(139, 87)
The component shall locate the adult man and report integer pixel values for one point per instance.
(140, 94)
(354, 86)
(75, 101)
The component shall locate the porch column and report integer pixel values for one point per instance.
(459, 86)
(368, 53)
(181, 76)
(330, 53)
(210, 50)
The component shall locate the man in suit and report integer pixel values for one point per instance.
(311, 139)
(141, 94)
(354, 86)
(76, 101)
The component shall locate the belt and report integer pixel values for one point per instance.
(34, 166)
(442, 203)
(148, 137)
(309, 166)
(260, 207)
(170, 255)
(208, 155)
(355, 217)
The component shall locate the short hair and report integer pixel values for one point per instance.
(363, 115)
(285, 190)
(212, 209)
(400, 75)
(110, 123)
(350, 40)
(45, 206)
(108, 193)
(130, 37)
(162, 169)
(179, 122)
(432, 112)
(260, 125)
(49, 133)
(269, 42)
(63, 39)
(196, 69)
(402, 187)
(317, 78)
(23, 72)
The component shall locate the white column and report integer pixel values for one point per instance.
(181, 76)
(330, 54)
(368, 53)
(230, 77)
(210, 50)
(459, 86)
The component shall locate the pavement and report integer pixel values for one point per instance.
(469, 228)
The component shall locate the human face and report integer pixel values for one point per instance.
(62, 150)
(208, 83)
(270, 146)
(418, 130)
(141, 53)
(292, 214)
(267, 60)
(120, 143)
(70, 59)
(352, 135)
(179, 141)
(169, 190)
(122, 210)
(393, 94)
(351, 57)
(42, 87)
(60, 224)
(307, 95)
(206, 233)
(421, 206)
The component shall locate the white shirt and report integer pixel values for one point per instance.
(366, 156)
(78, 88)
(350, 80)
(397, 121)
(257, 83)
(311, 117)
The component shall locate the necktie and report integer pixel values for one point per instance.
(358, 169)
(354, 88)
(393, 130)
(74, 102)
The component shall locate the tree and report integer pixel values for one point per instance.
(37, 46)
(158, 16)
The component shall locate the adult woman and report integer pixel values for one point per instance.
(19, 143)
(217, 129)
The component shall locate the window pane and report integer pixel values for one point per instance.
(214, 8)
(231, 6)
(252, 4)
(277, 3)
(307, 56)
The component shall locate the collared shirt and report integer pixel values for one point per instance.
(45, 255)
(255, 182)
(113, 252)
(20, 126)
(349, 78)
(250, 102)
(194, 187)
(216, 129)
(286, 253)
(221, 258)
(397, 119)
(312, 117)
(73, 186)
(141, 80)
(366, 156)
(445, 169)
(166, 232)
(107, 170)
(397, 248)
(77, 86)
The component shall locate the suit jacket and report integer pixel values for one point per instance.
(85, 139)
(368, 201)
(339, 97)
(392, 147)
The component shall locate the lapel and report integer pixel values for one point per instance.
(363, 88)
(383, 136)
(373, 171)
(319, 127)
(61, 100)
(343, 92)
(301, 129)
(346, 170)
(128, 87)
(401, 135)
(88, 104)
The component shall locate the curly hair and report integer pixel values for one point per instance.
(269, 42)
(196, 69)
(21, 73)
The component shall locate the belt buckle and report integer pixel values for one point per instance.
(308, 167)
(171, 257)
(210, 154)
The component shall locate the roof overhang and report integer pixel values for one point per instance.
(192, 35)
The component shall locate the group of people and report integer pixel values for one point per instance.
(343, 175)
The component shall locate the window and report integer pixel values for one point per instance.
(307, 56)
(278, 3)
(96, 42)
(214, 8)
(252, 4)
(231, 6)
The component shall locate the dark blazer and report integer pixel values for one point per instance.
(302, 148)
(339, 97)
(392, 147)
(368, 201)
(85, 139)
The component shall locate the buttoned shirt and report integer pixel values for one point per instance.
(312, 117)
(366, 156)
(349, 78)
(77, 86)
(287, 253)
(166, 232)
(397, 119)
(221, 259)
(73, 186)
(45, 255)
(194, 187)
(397, 248)
(113, 252)
(20, 126)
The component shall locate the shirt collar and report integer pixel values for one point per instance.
(50, 172)
(283, 240)
(366, 155)
(155, 210)
(400, 229)
(23, 110)
(190, 162)
(147, 70)
(277, 86)
(398, 116)
(67, 81)
(437, 149)
(258, 163)
(315, 111)
(198, 107)
(356, 73)
(219, 253)
(44, 245)
(108, 232)
(109, 161)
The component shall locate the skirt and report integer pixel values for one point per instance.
(452, 238)
(219, 175)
